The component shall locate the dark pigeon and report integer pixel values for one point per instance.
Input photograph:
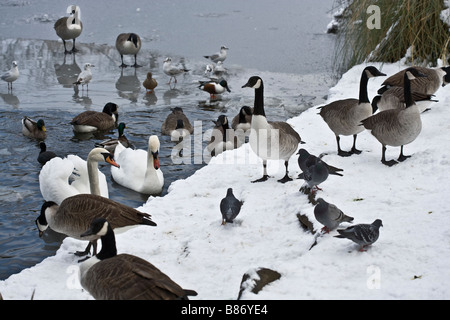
(362, 234)
(230, 207)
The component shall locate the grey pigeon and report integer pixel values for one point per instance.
(315, 175)
(230, 207)
(362, 234)
(305, 160)
(329, 215)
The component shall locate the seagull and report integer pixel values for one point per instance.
(329, 215)
(230, 207)
(305, 160)
(219, 56)
(362, 234)
(172, 71)
(85, 76)
(11, 75)
(214, 88)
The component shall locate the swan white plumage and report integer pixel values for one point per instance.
(139, 169)
(62, 178)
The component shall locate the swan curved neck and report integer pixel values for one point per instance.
(94, 185)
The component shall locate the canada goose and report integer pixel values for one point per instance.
(397, 127)
(214, 88)
(149, 83)
(73, 216)
(11, 75)
(279, 139)
(139, 169)
(219, 56)
(112, 276)
(222, 137)
(90, 121)
(171, 70)
(110, 144)
(45, 155)
(230, 207)
(435, 78)
(243, 120)
(84, 77)
(177, 120)
(128, 44)
(394, 98)
(61, 178)
(69, 27)
(343, 117)
(34, 129)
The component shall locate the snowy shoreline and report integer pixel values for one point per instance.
(191, 246)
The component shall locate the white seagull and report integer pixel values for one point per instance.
(11, 75)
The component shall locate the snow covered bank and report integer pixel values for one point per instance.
(409, 260)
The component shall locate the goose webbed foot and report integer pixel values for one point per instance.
(355, 151)
(402, 158)
(135, 65)
(285, 179)
(264, 178)
(389, 163)
(123, 65)
(344, 153)
(74, 50)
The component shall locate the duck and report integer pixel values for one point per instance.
(222, 137)
(139, 169)
(171, 70)
(270, 140)
(213, 87)
(69, 28)
(11, 75)
(394, 98)
(61, 178)
(110, 144)
(34, 129)
(85, 76)
(45, 155)
(218, 56)
(73, 216)
(112, 276)
(90, 121)
(435, 78)
(128, 44)
(243, 120)
(177, 121)
(397, 127)
(149, 83)
(343, 117)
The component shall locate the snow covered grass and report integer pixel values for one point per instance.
(409, 261)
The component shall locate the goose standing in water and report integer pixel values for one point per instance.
(397, 127)
(90, 121)
(344, 117)
(34, 129)
(177, 120)
(69, 28)
(139, 169)
(62, 178)
(112, 276)
(128, 44)
(270, 140)
(11, 75)
(73, 216)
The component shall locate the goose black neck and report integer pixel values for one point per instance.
(225, 129)
(109, 249)
(363, 95)
(259, 101)
(407, 91)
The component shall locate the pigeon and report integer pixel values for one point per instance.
(230, 207)
(329, 215)
(305, 160)
(362, 234)
(315, 175)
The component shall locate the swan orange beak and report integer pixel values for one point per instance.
(111, 161)
(155, 160)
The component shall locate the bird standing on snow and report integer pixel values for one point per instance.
(128, 44)
(171, 70)
(11, 75)
(305, 160)
(230, 207)
(313, 176)
(85, 76)
(329, 215)
(362, 234)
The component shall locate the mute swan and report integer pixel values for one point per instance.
(139, 169)
(62, 178)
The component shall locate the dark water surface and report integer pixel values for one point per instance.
(276, 36)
